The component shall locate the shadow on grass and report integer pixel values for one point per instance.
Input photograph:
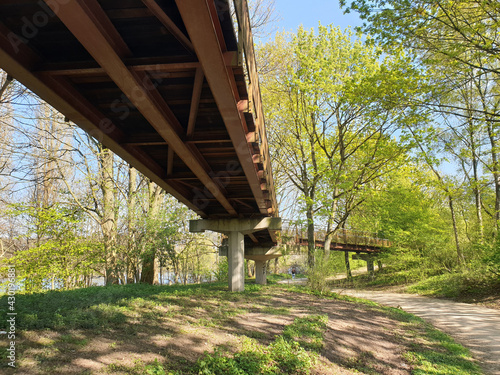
(100, 307)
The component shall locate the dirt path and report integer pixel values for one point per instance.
(476, 327)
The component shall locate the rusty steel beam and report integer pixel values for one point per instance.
(169, 24)
(195, 101)
(137, 87)
(199, 21)
(77, 69)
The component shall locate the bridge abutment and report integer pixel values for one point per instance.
(235, 230)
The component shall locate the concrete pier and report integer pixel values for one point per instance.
(261, 272)
(235, 230)
(236, 261)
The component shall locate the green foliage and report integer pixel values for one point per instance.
(324, 266)
(221, 272)
(492, 259)
(155, 368)
(307, 331)
(217, 363)
(440, 355)
(112, 306)
(283, 356)
(286, 355)
(60, 256)
(456, 284)
(457, 30)
(332, 112)
(291, 358)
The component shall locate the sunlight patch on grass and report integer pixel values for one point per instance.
(276, 310)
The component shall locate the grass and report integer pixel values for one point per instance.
(56, 326)
(457, 285)
(475, 285)
(293, 352)
(113, 306)
(432, 351)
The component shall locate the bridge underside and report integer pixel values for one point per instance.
(162, 84)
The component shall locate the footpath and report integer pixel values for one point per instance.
(475, 327)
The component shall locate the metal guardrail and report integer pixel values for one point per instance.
(295, 234)
(246, 55)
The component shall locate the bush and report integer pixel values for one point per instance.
(493, 260)
(221, 273)
(324, 266)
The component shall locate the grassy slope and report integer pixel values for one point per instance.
(467, 286)
(165, 330)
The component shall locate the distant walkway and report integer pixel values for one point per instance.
(475, 327)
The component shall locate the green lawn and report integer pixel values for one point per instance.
(204, 329)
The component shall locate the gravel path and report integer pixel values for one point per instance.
(475, 327)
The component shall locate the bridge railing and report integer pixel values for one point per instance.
(246, 55)
(295, 234)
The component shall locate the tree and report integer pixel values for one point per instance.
(155, 195)
(61, 257)
(331, 119)
(408, 209)
(462, 32)
(263, 17)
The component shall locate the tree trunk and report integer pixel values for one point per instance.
(460, 255)
(131, 223)
(149, 265)
(495, 171)
(475, 185)
(108, 223)
(347, 265)
(311, 245)
(149, 273)
(249, 269)
(331, 221)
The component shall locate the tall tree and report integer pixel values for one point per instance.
(331, 119)
(155, 196)
(465, 32)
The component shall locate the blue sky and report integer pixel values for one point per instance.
(294, 13)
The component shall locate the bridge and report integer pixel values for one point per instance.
(293, 235)
(170, 86)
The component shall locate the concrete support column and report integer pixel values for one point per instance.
(261, 272)
(236, 261)
(235, 230)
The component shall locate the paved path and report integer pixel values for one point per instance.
(475, 327)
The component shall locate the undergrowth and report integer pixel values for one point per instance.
(131, 308)
(293, 352)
